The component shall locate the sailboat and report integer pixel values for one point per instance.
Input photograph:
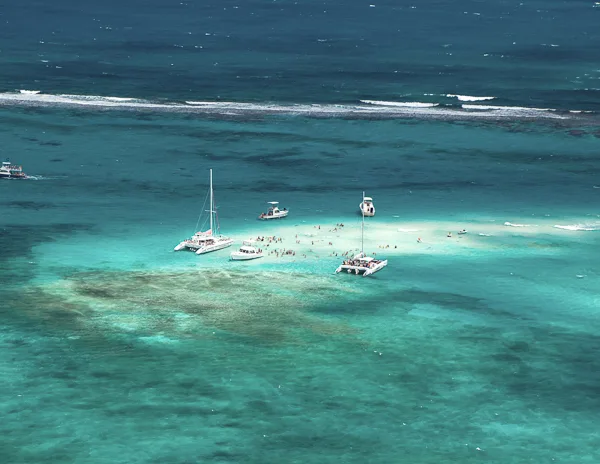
(211, 239)
(361, 263)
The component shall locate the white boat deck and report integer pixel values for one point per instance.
(274, 212)
(210, 240)
(362, 264)
(246, 252)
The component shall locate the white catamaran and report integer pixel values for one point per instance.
(211, 239)
(361, 263)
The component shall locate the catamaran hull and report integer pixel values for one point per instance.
(215, 247)
(185, 245)
(362, 270)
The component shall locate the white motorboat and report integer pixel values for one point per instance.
(211, 239)
(361, 263)
(246, 252)
(366, 206)
(11, 171)
(274, 212)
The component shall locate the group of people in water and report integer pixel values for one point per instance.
(460, 232)
(270, 239)
(449, 235)
(351, 262)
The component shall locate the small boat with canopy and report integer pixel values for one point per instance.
(366, 206)
(274, 212)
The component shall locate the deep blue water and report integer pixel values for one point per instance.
(539, 54)
(482, 348)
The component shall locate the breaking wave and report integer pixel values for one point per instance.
(402, 104)
(510, 224)
(577, 227)
(469, 97)
(364, 109)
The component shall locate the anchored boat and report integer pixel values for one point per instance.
(366, 206)
(246, 252)
(361, 263)
(274, 212)
(211, 239)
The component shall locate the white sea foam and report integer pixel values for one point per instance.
(401, 104)
(484, 235)
(514, 108)
(408, 230)
(516, 111)
(576, 227)
(469, 97)
(366, 109)
(510, 224)
(120, 99)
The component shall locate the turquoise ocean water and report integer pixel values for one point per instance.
(484, 348)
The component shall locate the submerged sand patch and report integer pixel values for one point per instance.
(330, 243)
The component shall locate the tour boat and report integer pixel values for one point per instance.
(11, 171)
(274, 212)
(246, 252)
(366, 206)
(361, 263)
(211, 239)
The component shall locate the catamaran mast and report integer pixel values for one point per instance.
(362, 227)
(211, 203)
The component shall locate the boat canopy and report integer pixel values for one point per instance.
(249, 249)
(273, 202)
(367, 199)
